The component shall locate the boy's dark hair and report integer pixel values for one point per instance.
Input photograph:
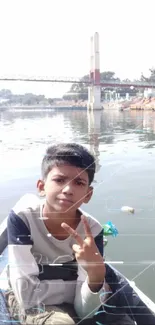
(70, 153)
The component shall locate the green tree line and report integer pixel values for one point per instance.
(7, 97)
(80, 91)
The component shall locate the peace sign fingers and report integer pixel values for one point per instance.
(73, 233)
(86, 226)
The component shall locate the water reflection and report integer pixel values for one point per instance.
(99, 129)
(94, 131)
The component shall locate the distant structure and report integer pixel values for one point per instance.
(94, 90)
(149, 93)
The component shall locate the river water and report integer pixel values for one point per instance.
(124, 146)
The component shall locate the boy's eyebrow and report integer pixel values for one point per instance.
(80, 179)
(77, 177)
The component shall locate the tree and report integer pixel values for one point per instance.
(151, 78)
(108, 75)
(50, 101)
(5, 93)
(25, 99)
(80, 91)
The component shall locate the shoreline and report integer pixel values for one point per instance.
(144, 104)
(136, 103)
(60, 105)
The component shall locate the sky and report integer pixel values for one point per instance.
(52, 38)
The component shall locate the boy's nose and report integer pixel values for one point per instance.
(68, 188)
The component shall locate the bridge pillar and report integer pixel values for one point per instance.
(94, 90)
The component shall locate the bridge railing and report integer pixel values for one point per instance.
(69, 79)
(140, 83)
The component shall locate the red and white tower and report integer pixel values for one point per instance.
(94, 90)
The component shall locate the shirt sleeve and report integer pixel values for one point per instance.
(23, 270)
(86, 302)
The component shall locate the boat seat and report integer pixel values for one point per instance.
(4, 312)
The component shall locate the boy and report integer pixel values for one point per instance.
(56, 268)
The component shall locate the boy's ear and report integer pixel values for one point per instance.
(40, 187)
(89, 195)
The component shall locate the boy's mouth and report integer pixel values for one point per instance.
(65, 200)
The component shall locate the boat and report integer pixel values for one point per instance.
(141, 306)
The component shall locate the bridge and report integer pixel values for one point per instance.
(94, 83)
(102, 83)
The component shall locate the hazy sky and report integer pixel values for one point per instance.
(52, 38)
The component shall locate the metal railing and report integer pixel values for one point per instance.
(103, 83)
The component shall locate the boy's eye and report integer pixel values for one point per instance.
(80, 183)
(59, 180)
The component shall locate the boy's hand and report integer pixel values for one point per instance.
(88, 255)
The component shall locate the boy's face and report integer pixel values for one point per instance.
(66, 188)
